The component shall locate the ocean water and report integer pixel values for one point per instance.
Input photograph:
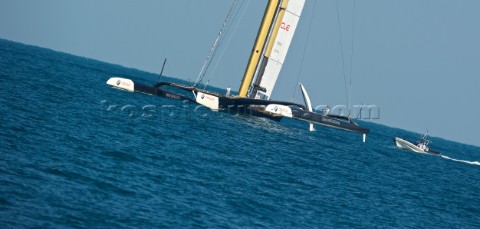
(75, 153)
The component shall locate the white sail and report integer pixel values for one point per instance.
(280, 48)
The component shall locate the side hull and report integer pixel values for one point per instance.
(334, 121)
(151, 90)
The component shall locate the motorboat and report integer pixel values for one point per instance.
(420, 146)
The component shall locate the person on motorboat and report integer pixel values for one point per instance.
(423, 143)
(326, 110)
(228, 91)
(423, 146)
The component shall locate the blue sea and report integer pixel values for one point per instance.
(76, 153)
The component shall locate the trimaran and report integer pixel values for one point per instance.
(269, 52)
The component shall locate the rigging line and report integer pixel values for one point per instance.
(221, 40)
(215, 43)
(343, 59)
(231, 36)
(219, 44)
(304, 50)
(351, 56)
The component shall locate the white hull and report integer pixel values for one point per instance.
(208, 100)
(404, 144)
(121, 83)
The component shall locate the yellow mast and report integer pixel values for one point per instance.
(257, 49)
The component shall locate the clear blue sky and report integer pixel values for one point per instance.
(418, 60)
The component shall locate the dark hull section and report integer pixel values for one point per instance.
(226, 102)
(253, 107)
(334, 121)
(253, 111)
(158, 91)
(434, 153)
(231, 105)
